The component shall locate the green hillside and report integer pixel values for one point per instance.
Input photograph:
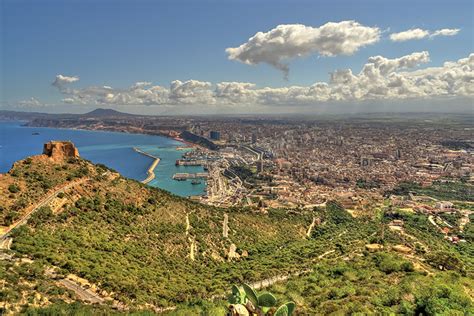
(140, 248)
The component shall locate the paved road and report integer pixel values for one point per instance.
(46, 200)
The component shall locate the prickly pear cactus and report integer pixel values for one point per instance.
(281, 311)
(251, 295)
(245, 302)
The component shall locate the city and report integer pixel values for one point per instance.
(274, 162)
(237, 158)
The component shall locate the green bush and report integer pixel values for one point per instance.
(389, 263)
(13, 188)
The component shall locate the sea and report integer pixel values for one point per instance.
(113, 149)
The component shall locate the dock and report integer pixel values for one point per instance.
(185, 176)
(191, 162)
(150, 172)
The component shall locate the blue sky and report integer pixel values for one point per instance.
(118, 43)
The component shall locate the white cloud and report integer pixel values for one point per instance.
(296, 40)
(235, 92)
(416, 34)
(68, 100)
(380, 78)
(386, 65)
(61, 80)
(412, 34)
(191, 91)
(445, 32)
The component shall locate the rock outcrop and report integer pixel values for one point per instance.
(60, 150)
(232, 253)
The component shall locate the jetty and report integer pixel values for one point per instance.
(150, 172)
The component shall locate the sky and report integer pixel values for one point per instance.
(198, 57)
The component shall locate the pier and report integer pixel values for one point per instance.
(151, 169)
(185, 176)
(189, 162)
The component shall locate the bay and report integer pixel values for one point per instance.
(112, 149)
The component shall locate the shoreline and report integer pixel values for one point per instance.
(179, 145)
(186, 143)
(175, 138)
(151, 169)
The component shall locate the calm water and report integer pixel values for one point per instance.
(112, 149)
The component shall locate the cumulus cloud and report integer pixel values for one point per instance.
(416, 34)
(191, 91)
(288, 41)
(386, 66)
(62, 80)
(380, 78)
(235, 92)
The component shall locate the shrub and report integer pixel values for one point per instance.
(388, 263)
(13, 188)
(42, 215)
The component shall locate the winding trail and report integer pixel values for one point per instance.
(151, 169)
(310, 228)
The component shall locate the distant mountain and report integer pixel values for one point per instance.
(105, 112)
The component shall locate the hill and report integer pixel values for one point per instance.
(106, 113)
(90, 235)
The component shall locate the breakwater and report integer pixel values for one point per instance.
(150, 172)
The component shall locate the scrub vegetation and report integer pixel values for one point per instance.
(148, 249)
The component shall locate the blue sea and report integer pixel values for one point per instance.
(112, 149)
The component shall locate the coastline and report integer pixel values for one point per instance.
(186, 143)
(151, 169)
(146, 166)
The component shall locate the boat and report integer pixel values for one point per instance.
(35, 133)
(195, 182)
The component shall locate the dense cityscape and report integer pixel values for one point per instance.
(275, 162)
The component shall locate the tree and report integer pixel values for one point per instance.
(444, 260)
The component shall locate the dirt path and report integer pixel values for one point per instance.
(83, 294)
(46, 200)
